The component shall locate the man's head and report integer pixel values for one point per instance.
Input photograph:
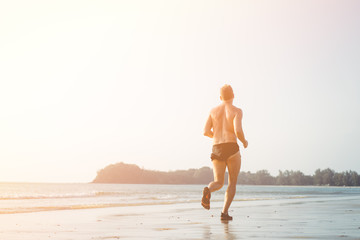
(226, 93)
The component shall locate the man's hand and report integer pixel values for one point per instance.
(245, 144)
(209, 134)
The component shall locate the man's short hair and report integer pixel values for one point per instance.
(226, 92)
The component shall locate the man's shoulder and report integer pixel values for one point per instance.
(216, 108)
(221, 106)
(237, 110)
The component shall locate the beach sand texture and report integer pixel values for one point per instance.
(293, 218)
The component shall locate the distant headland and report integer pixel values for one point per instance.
(131, 173)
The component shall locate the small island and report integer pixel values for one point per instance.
(133, 174)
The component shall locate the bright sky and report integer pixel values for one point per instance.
(84, 84)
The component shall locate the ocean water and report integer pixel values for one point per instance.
(34, 197)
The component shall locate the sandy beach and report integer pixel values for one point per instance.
(296, 218)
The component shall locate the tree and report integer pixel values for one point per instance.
(263, 177)
(318, 177)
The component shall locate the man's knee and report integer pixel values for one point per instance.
(232, 186)
(219, 184)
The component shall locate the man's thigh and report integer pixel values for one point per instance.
(219, 168)
(233, 164)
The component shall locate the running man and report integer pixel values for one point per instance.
(224, 127)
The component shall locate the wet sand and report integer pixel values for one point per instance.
(332, 218)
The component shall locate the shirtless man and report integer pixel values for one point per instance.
(224, 127)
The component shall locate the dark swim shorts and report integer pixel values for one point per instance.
(223, 151)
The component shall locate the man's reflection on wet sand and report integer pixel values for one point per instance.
(228, 233)
(211, 232)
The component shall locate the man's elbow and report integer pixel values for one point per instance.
(208, 134)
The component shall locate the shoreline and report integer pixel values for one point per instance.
(181, 184)
(272, 219)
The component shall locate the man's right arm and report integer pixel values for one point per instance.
(238, 128)
(207, 128)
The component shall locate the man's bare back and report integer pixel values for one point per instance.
(225, 120)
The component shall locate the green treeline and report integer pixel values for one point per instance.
(321, 177)
(130, 173)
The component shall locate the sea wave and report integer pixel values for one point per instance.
(97, 194)
(32, 197)
(150, 201)
(81, 206)
(57, 196)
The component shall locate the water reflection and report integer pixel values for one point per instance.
(222, 230)
(228, 232)
(207, 232)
